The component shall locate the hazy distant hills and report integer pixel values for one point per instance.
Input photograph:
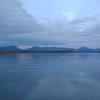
(85, 50)
(49, 49)
(9, 49)
(14, 49)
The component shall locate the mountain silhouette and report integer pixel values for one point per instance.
(49, 49)
(85, 50)
(9, 49)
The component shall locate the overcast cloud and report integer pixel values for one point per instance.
(63, 23)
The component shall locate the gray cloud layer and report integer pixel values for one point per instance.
(17, 27)
(15, 20)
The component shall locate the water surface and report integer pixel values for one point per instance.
(50, 77)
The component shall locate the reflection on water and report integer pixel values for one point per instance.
(50, 77)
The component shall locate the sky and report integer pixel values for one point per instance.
(64, 23)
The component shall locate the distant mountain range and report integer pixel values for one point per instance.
(14, 49)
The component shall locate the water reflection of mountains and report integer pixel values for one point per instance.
(14, 49)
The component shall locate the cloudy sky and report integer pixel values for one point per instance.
(70, 23)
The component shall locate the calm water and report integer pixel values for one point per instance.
(50, 77)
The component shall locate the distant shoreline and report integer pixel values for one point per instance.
(36, 52)
(45, 52)
(14, 50)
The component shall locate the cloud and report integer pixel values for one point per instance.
(17, 27)
(15, 20)
(75, 33)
